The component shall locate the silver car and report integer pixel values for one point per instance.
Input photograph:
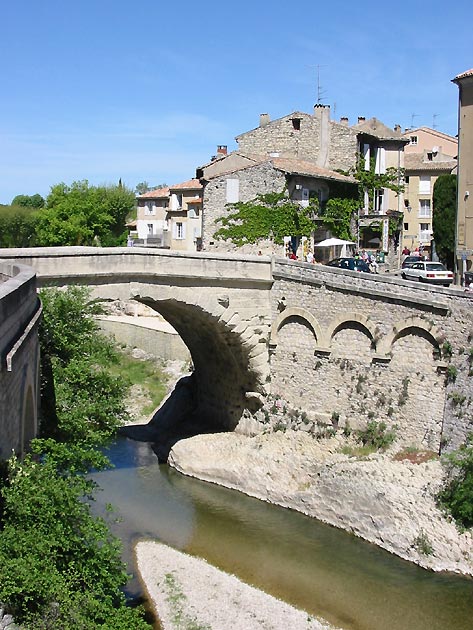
(431, 272)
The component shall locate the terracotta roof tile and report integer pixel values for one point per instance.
(157, 193)
(416, 162)
(191, 184)
(463, 75)
(304, 167)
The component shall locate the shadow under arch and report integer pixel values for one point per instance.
(409, 326)
(296, 312)
(225, 380)
(350, 320)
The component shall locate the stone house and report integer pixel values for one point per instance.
(315, 139)
(242, 177)
(171, 217)
(464, 228)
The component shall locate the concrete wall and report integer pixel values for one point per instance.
(166, 345)
(19, 358)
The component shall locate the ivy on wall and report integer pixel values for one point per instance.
(272, 215)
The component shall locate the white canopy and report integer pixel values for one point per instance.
(330, 242)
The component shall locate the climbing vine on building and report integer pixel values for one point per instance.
(272, 216)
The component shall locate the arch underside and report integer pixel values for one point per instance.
(213, 398)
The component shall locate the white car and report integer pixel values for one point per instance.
(431, 272)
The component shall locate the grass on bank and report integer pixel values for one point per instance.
(142, 372)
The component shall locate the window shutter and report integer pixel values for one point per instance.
(233, 190)
(366, 155)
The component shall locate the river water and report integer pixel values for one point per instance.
(325, 571)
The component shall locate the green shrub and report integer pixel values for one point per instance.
(456, 497)
(376, 435)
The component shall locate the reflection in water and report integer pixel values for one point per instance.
(316, 567)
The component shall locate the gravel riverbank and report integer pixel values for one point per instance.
(188, 593)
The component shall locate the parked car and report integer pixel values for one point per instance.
(354, 264)
(431, 272)
(410, 260)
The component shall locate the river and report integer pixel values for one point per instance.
(318, 568)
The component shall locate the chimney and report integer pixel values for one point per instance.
(361, 119)
(344, 121)
(397, 128)
(221, 149)
(263, 120)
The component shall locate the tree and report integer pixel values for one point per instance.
(80, 214)
(28, 201)
(59, 565)
(272, 215)
(444, 217)
(18, 226)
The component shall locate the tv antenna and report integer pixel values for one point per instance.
(412, 119)
(434, 124)
(320, 91)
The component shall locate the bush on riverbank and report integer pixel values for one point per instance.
(59, 565)
(457, 495)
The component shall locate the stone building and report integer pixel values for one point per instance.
(330, 146)
(464, 228)
(303, 180)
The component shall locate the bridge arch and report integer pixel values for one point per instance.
(411, 325)
(350, 320)
(295, 312)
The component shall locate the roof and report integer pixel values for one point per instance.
(433, 132)
(375, 127)
(191, 184)
(291, 166)
(463, 75)
(417, 162)
(304, 167)
(192, 201)
(157, 193)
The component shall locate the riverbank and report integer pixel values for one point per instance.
(187, 592)
(386, 502)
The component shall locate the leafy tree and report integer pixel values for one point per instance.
(457, 495)
(80, 214)
(272, 215)
(17, 226)
(28, 201)
(444, 217)
(59, 565)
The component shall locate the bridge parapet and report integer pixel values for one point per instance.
(19, 357)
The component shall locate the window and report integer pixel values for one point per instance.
(424, 232)
(424, 208)
(296, 124)
(406, 226)
(413, 140)
(378, 201)
(179, 231)
(176, 201)
(406, 179)
(233, 190)
(380, 165)
(149, 208)
(192, 213)
(150, 228)
(424, 184)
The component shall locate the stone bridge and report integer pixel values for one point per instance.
(339, 347)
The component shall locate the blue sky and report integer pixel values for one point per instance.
(146, 90)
